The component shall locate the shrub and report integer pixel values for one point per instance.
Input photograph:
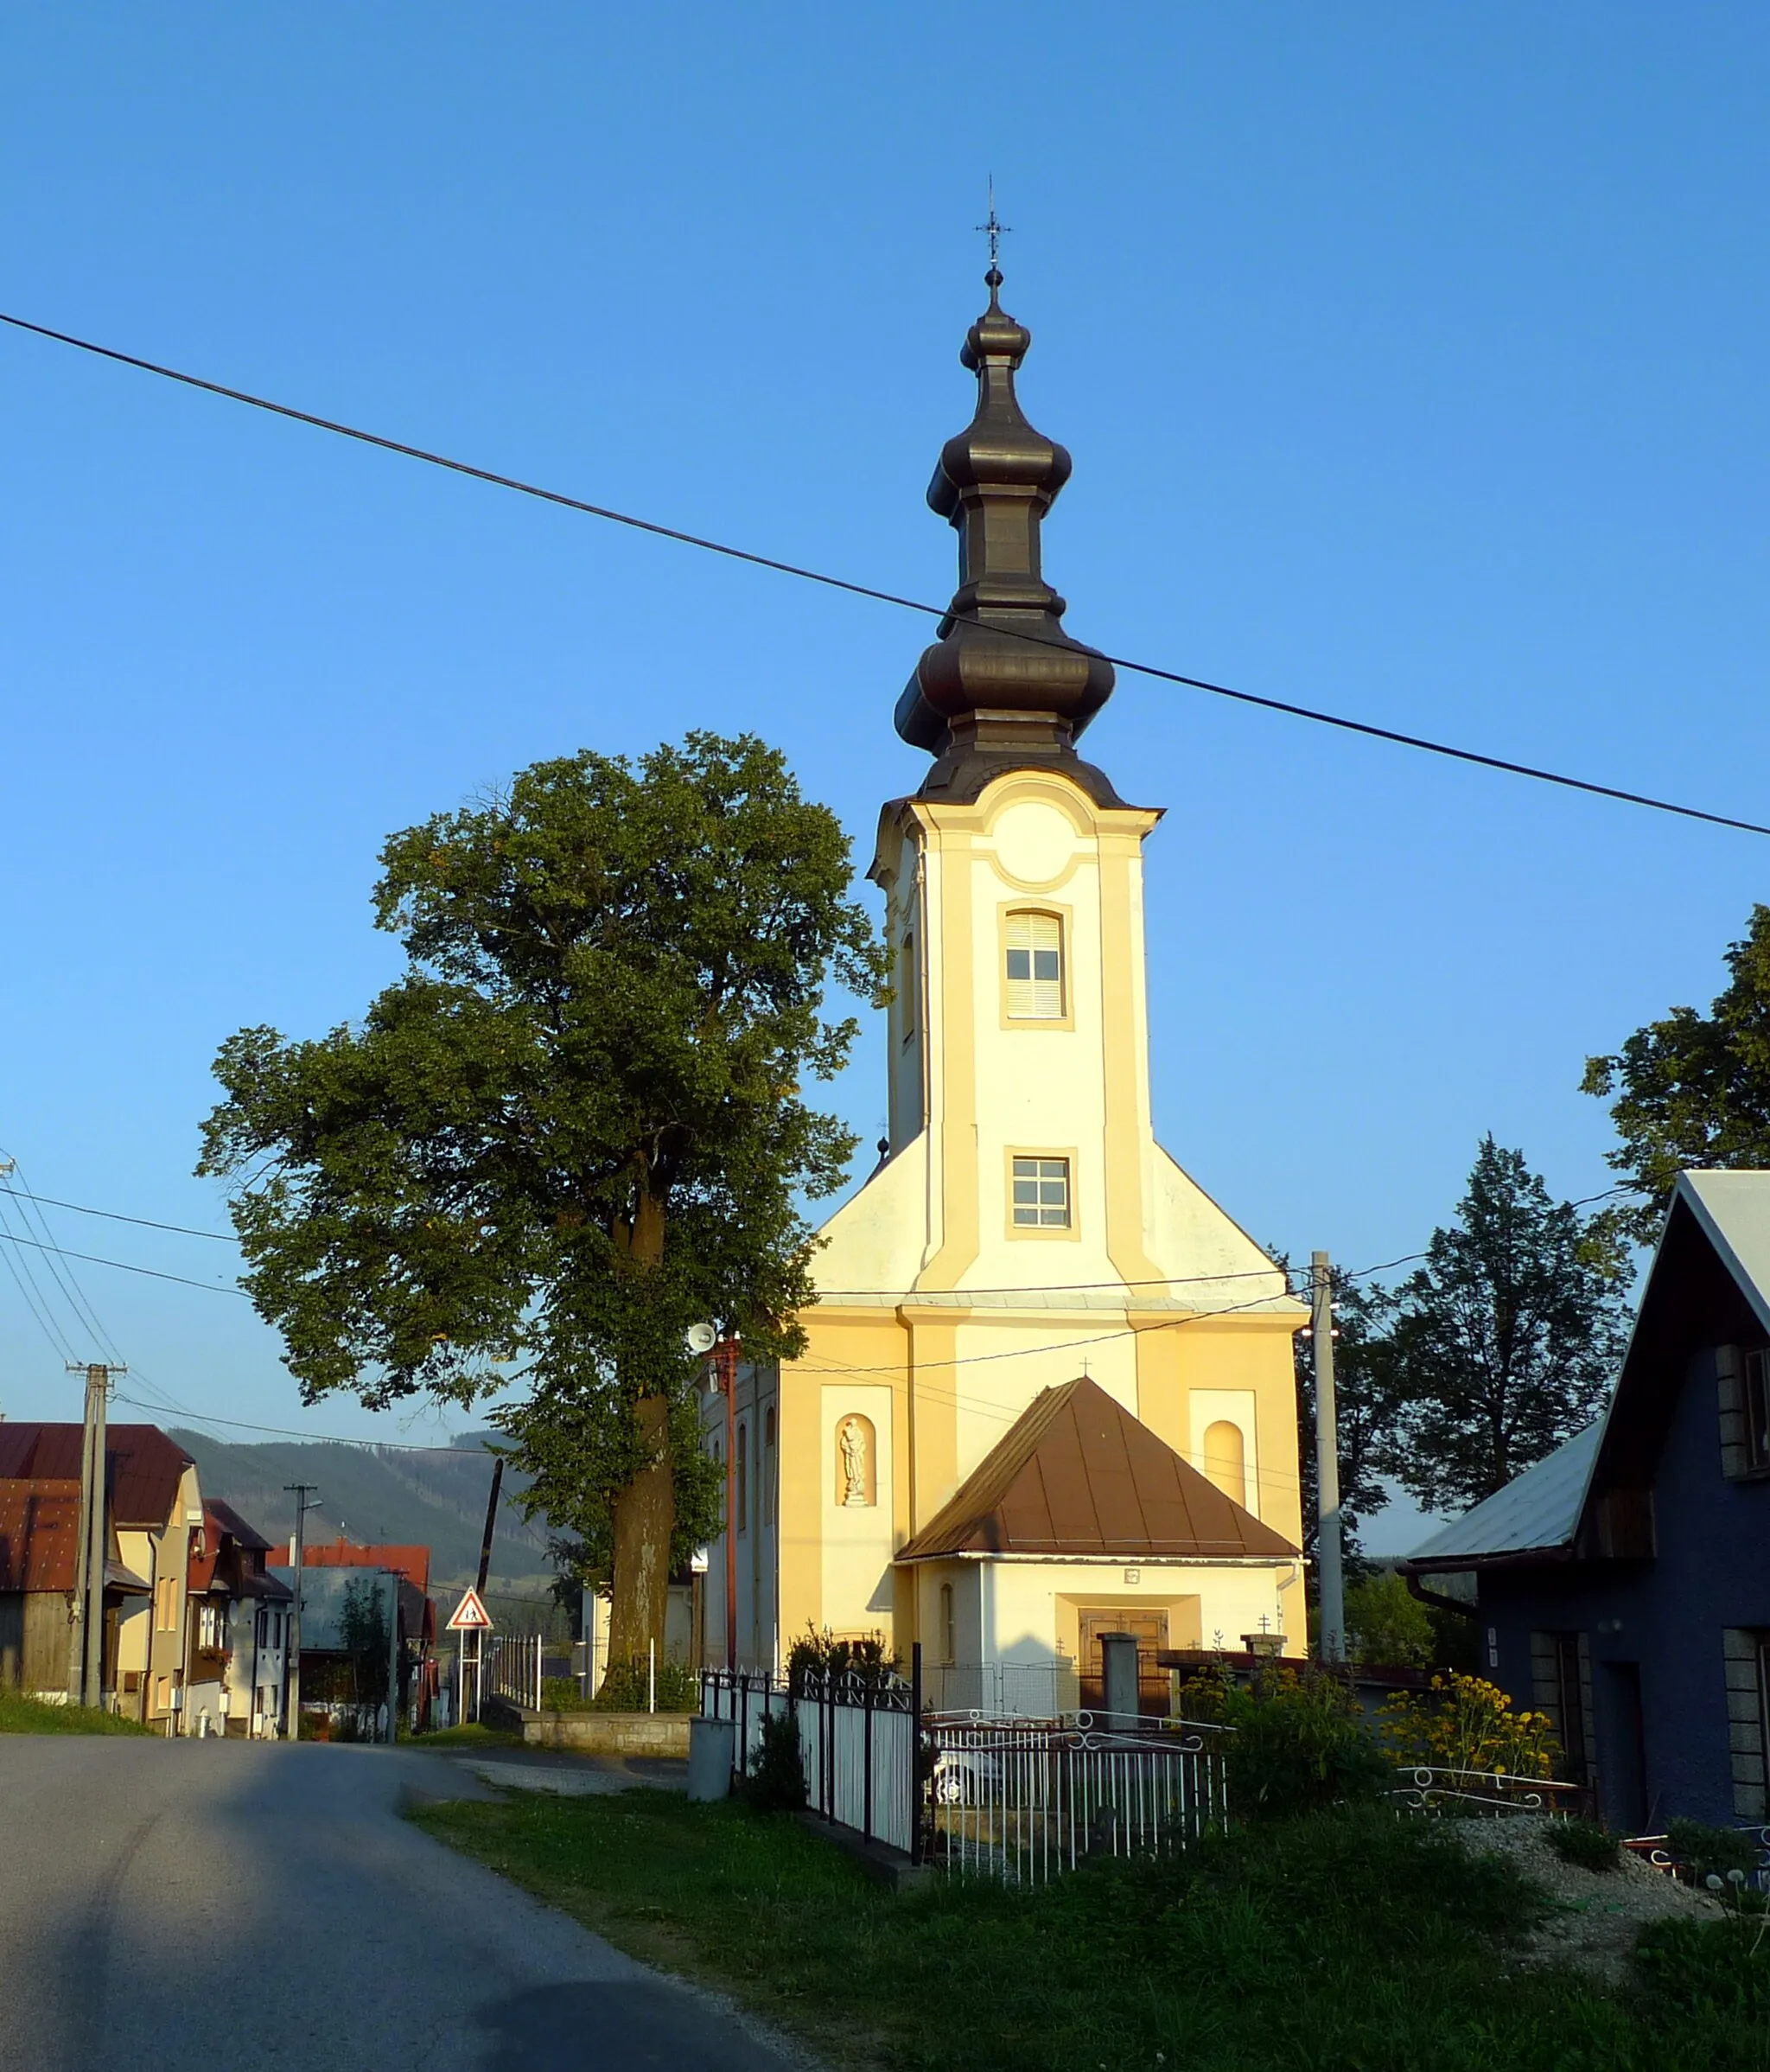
(1387, 1624)
(1713, 1852)
(1587, 1844)
(562, 1694)
(776, 1783)
(624, 1688)
(1465, 1723)
(1300, 1740)
(820, 1652)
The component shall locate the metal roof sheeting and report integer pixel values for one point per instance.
(145, 1466)
(1734, 1210)
(1538, 1508)
(1078, 1475)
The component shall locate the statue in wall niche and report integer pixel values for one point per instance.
(851, 1437)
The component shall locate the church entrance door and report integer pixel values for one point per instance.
(1150, 1628)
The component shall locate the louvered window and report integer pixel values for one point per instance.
(1041, 1194)
(1034, 967)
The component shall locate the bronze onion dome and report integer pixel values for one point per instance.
(982, 701)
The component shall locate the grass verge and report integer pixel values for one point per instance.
(473, 1735)
(1337, 1943)
(22, 1715)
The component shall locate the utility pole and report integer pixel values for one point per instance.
(85, 1668)
(725, 1355)
(301, 1492)
(1327, 1467)
(393, 1580)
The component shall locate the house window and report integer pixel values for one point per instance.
(743, 1478)
(949, 1626)
(212, 1625)
(166, 1604)
(162, 1694)
(768, 1466)
(1756, 1405)
(1747, 1657)
(1035, 952)
(1561, 1674)
(1041, 1194)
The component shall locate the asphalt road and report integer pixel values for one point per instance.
(240, 1905)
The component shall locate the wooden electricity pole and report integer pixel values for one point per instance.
(1327, 1552)
(85, 1668)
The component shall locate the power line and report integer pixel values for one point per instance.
(123, 1266)
(1318, 718)
(79, 1208)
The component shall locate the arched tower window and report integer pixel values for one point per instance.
(743, 1478)
(768, 1466)
(949, 1626)
(1225, 1460)
(1034, 949)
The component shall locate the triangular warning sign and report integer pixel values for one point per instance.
(470, 1616)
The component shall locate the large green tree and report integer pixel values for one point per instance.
(1505, 1341)
(571, 1128)
(1693, 1089)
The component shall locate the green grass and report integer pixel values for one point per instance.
(22, 1715)
(1338, 1943)
(471, 1736)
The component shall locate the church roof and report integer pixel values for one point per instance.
(1078, 1475)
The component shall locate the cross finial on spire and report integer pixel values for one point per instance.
(994, 230)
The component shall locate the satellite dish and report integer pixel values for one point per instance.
(702, 1338)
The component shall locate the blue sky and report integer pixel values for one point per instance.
(1412, 360)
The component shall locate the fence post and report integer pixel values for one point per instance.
(867, 1765)
(915, 1751)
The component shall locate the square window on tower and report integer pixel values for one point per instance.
(1035, 952)
(1041, 1194)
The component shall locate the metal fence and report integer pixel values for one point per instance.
(856, 1745)
(1049, 1688)
(1024, 1801)
(1472, 1793)
(514, 1668)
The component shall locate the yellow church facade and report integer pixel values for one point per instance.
(1048, 1387)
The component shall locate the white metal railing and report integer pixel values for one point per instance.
(513, 1667)
(1024, 1800)
(1431, 1787)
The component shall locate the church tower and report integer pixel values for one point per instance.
(1049, 1387)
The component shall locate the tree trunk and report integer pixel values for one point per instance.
(644, 1517)
(645, 1512)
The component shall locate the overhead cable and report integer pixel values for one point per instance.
(1368, 729)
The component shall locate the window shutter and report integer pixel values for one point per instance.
(1729, 1376)
(1034, 967)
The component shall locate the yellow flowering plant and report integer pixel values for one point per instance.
(1467, 1723)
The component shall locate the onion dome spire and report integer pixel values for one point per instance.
(982, 700)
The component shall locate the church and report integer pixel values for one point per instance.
(1048, 1387)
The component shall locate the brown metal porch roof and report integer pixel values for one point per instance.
(1077, 1476)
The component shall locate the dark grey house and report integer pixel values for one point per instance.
(1622, 1585)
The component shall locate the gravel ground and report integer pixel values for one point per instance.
(1597, 1913)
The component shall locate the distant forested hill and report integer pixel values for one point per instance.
(434, 1498)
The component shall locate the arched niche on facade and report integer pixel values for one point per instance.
(856, 1461)
(1227, 1460)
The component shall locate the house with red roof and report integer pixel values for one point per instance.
(237, 1675)
(153, 1510)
